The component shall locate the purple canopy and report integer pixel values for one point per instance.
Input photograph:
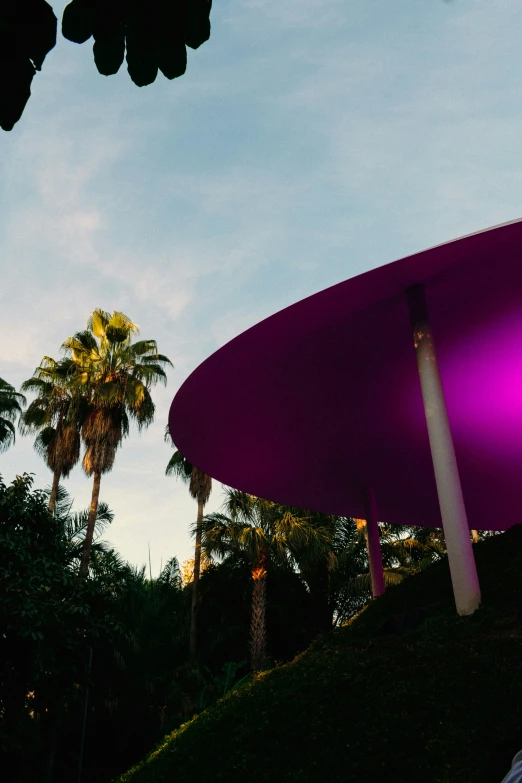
(322, 399)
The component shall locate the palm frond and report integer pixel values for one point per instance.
(119, 320)
(43, 441)
(180, 467)
(38, 415)
(361, 585)
(75, 524)
(171, 573)
(82, 348)
(150, 373)
(141, 349)
(7, 434)
(64, 502)
(9, 391)
(11, 404)
(158, 357)
(98, 321)
(41, 386)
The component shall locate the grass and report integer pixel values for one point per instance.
(441, 703)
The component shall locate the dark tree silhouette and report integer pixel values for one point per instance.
(27, 34)
(151, 35)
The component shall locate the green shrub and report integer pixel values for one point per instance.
(439, 703)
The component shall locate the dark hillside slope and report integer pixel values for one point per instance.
(377, 700)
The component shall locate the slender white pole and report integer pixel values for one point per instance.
(463, 570)
(373, 541)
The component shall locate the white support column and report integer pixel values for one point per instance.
(463, 571)
(373, 541)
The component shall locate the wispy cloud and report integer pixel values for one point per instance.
(308, 141)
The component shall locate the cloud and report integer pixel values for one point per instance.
(287, 15)
(309, 141)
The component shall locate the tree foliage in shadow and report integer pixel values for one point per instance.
(143, 681)
(225, 612)
(138, 681)
(151, 35)
(27, 35)
(137, 630)
(48, 620)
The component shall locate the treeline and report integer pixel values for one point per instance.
(101, 668)
(99, 659)
(90, 396)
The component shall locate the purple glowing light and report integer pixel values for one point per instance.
(322, 399)
(486, 383)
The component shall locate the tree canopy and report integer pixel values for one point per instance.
(58, 439)
(150, 35)
(11, 404)
(112, 377)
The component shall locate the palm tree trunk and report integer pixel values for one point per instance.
(54, 491)
(55, 720)
(197, 566)
(475, 536)
(373, 551)
(87, 544)
(258, 623)
(362, 528)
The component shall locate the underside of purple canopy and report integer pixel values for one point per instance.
(322, 399)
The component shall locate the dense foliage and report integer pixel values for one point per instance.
(111, 652)
(407, 691)
(98, 659)
(153, 38)
(123, 635)
(200, 487)
(48, 623)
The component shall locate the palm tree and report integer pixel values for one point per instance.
(339, 581)
(263, 531)
(200, 487)
(327, 576)
(112, 377)
(406, 550)
(11, 404)
(105, 563)
(74, 525)
(52, 415)
(412, 549)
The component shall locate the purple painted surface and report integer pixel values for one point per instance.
(322, 399)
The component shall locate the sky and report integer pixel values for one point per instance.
(308, 141)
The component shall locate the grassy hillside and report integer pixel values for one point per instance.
(374, 700)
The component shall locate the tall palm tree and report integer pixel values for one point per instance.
(200, 487)
(52, 415)
(11, 404)
(112, 377)
(263, 531)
